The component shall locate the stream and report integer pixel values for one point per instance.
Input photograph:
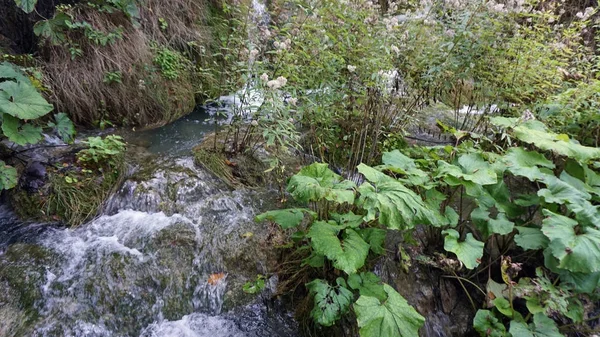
(167, 256)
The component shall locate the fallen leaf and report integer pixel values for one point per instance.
(213, 279)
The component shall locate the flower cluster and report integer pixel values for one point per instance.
(280, 82)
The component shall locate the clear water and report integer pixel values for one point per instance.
(145, 267)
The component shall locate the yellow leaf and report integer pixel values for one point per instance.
(213, 279)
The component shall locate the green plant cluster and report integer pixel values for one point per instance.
(20, 106)
(538, 193)
(102, 152)
(344, 240)
(575, 111)
(170, 62)
(62, 27)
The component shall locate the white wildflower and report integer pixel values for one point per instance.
(395, 49)
(254, 123)
(264, 77)
(282, 81)
(351, 68)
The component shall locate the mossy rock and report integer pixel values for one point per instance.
(70, 195)
(22, 273)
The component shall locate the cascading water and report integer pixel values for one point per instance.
(145, 267)
(168, 257)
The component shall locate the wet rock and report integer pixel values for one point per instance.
(34, 177)
(447, 314)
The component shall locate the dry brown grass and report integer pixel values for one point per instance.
(144, 97)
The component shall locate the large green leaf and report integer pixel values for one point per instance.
(392, 317)
(348, 255)
(21, 100)
(53, 29)
(330, 302)
(488, 325)
(469, 252)
(532, 165)
(18, 133)
(317, 182)
(64, 127)
(348, 219)
(8, 176)
(576, 248)
(286, 218)
(489, 225)
(397, 162)
(396, 206)
(536, 133)
(26, 5)
(368, 284)
(542, 326)
(531, 238)
(11, 72)
(471, 168)
(375, 237)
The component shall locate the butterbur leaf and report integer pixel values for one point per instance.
(471, 168)
(18, 133)
(397, 162)
(396, 206)
(317, 182)
(577, 250)
(8, 176)
(330, 302)
(286, 218)
(542, 326)
(64, 127)
(21, 100)
(53, 29)
(531, 238)
(489, 225)
(347, 255)
(488, 325)
(26, 5)
(532, 165)
(375, 237)
(348, 219)
(11, 72)
(392, 317)
(469, 252)
(368, 284)
(534, 132)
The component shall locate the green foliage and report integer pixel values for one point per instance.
(64, 127)
(112, 77)
(170, 63)
(391, 317)
(575, 112)
(469, 251)
(21, 100)
(348, 253)
(331, 302)
(256, 286)
(488, 325)
(8, 176)
(286, 218)
(20, 105)
(345, 240)
(102, 152)
(317, 181)
(26, 5)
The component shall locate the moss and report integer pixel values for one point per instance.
(22, 271)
